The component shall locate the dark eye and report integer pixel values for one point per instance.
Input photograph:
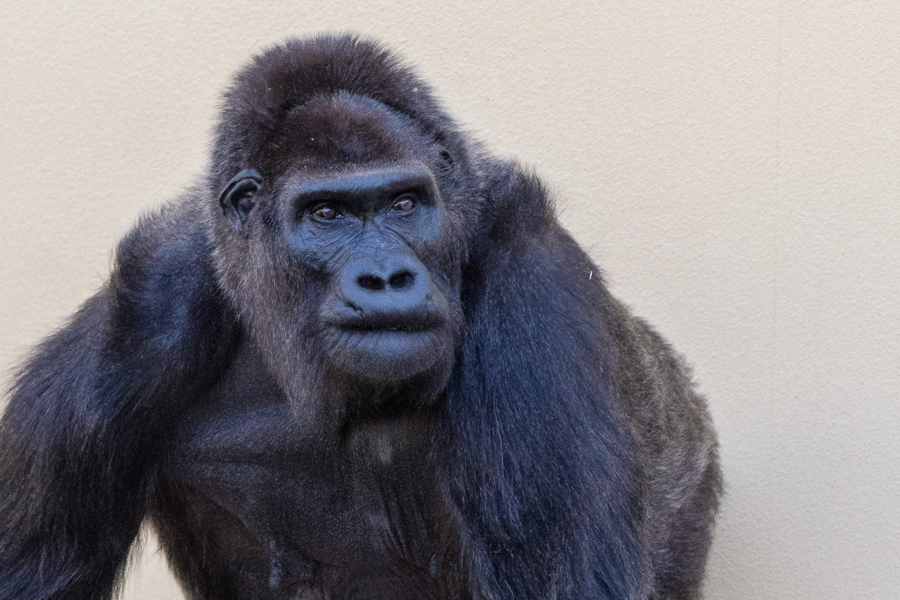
(403, 204)
(327, 212)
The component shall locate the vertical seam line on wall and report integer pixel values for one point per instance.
(777, 229)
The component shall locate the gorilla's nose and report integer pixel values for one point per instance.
(396, 281)
(391, 293)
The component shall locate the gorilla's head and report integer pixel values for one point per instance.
(341, 221)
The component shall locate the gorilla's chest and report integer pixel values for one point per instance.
(260, 508)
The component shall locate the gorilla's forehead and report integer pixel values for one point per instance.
(345, 129)
(362, 185)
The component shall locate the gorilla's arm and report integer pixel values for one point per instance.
(541, 467)
(88, 411)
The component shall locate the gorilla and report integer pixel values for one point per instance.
(361, 360)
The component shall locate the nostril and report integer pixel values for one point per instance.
(401, 280)
(370, 282)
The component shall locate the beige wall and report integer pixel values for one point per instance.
(733, 165)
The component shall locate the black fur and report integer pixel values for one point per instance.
(362, 361)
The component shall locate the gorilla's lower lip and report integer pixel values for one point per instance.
(388, 342)
(371, 354)
(364, 327)
(420, 322)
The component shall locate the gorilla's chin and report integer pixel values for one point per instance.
(387, 356)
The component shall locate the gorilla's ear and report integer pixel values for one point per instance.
(238, 197)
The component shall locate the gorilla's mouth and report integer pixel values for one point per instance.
(388, 323)
(377, 347)
(387, 345)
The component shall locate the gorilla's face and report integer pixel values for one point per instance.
(358, 227)
(386, 315)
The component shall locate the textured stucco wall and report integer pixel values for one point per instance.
(733, 165)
